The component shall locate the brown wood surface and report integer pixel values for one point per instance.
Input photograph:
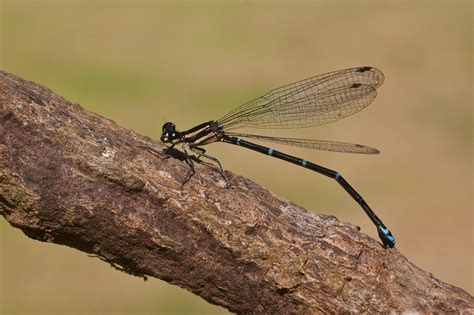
(71, 177)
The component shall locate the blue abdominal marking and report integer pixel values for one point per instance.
(338, 175)
(304, 162)
(270, 151)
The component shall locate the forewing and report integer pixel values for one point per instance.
(315, 101)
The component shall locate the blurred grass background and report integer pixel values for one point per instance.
(139, 62)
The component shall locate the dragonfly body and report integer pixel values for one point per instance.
(315, 101)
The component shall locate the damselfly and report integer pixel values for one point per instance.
(315, 101)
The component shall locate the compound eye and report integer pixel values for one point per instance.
(168, 126)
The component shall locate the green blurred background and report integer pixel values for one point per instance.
(139, 62)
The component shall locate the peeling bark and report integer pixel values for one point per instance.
(71, 177)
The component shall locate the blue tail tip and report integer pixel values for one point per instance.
(386, 236)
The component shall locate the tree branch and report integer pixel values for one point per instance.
(71, 177)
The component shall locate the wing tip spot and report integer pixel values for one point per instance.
(364, 69)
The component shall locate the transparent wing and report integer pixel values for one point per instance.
(315, 101)
(312, 144)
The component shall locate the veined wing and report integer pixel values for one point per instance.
(315, 101)
(312, 144)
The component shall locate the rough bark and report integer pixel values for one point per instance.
(71, 177)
